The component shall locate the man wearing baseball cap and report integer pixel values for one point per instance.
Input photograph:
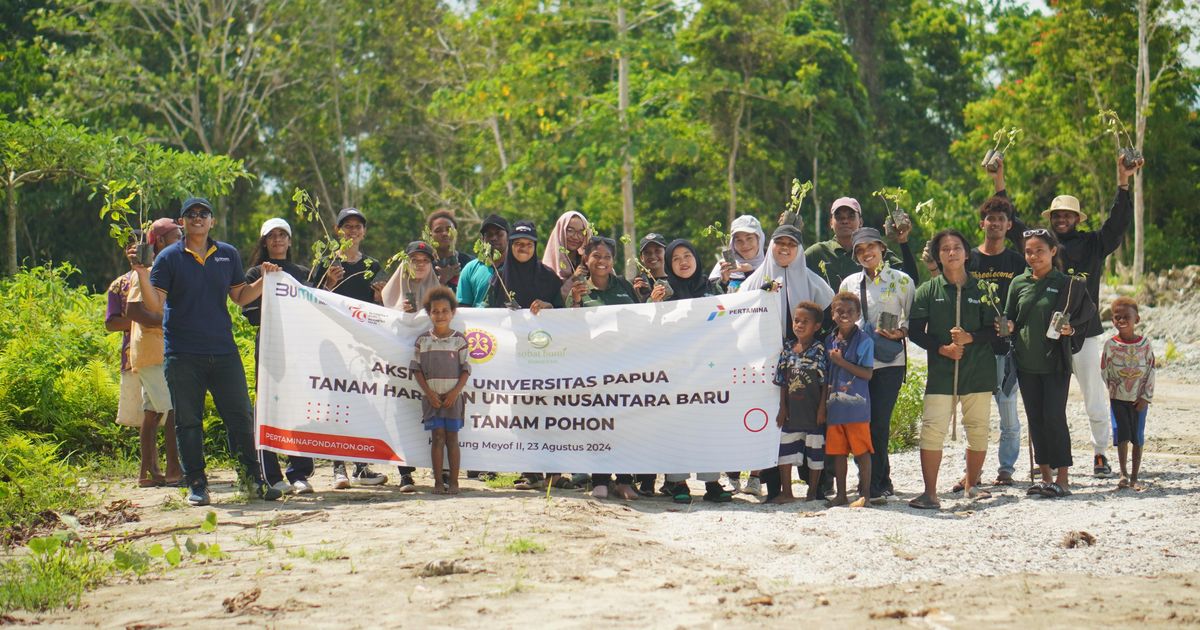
(845, 216)
(1084, 252)
(192, 278)
(476, 276)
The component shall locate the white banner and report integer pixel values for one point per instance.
(647, 388)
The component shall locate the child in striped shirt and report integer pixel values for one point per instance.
(441, 368)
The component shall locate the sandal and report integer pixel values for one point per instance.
(152, 482)
(522, 483)
(1036, 490)
(717, 494)
(562, 483)
(960, 486)
(1054, 491)
(1003, 479)
(1122, 484)
(924, 503)
(976, 493)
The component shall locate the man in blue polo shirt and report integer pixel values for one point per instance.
(193, 278)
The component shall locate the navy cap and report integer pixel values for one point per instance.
(653, 237)
(192, 202)
(346, 213)
(496, 220)
(523, 229)
(865, 235)
(788, 231)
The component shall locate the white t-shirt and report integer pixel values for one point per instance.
(892, 292)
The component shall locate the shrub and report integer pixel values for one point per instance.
(55, 573)
(906, 416)
(34, 479)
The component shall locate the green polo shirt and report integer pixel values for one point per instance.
(619, 291)
(935, 301)
(1032, 302)
(839, 263)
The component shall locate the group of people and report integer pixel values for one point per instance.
(993, 320)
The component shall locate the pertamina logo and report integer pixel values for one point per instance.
(481, 345)
(722, 311)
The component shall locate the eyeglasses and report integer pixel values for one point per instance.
(570, 231)
(1035, 232)
(197, 214)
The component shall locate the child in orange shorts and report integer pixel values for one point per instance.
(848, 408)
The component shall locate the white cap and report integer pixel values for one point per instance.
(271, 224)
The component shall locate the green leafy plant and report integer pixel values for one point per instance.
(715, 232)
(990, 296)
(519, 546)
(490, 256)
(54, 574)
(329, 250)
(791, 214)
(895, 216)
(35, 482)
(906, 415)
(1008, 135)
(1112, 123)
(119, 197)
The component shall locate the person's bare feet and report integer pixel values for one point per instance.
(1123, 483)
(782, 499)
(625, 491)
(837, 502)
(437, 488)
(860, 502)
(453, 488)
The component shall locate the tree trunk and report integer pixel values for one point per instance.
(816, 200)
(10, 194)
(731, 163)
(495, 127)
(1141, 104)
(627, 215)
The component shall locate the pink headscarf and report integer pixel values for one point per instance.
(552, 257)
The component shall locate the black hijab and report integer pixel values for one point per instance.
(529, 280)
(685, 288)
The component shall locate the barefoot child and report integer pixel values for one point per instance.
(1128, 365)
(848, 407)
(441, 368)
(800, 375)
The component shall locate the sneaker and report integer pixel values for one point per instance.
(198, 495)
(364, 476)
(753, 487)
(301, 486)
(283, 487)
(735, 482)
(1101, 468)
(340, 480)
(406, 484)
(267, 493)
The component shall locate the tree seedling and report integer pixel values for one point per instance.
(991, 161)
(896, 219)
(329, 250)
(791, 215)
(990, 298)
(715, 232)
(1130, 156)
(118, 197)
(658, 282)
(490, 256)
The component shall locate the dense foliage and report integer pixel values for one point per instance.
(518, 106)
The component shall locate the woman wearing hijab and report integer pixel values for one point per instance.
(529, 284)
(785, 271)
(746, 239)
(414, 278)
(570, 233)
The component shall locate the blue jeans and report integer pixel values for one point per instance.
(1010, 424)
(190, 376)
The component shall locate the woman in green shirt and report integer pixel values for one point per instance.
(1043, 355)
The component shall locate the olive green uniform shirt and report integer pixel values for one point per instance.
(935, 302)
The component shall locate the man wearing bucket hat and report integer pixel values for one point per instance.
(845, 216)
(191, 280)
(1084, 252)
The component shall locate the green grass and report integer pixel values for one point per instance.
(53, 575)
(906, 415)
(524, 545)
(321, 554)
(502, 481)
(36, 479)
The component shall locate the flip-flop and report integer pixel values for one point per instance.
(976, 493)
(922, 503)
(1003, 481)
(1055, 491)
(959, 487)
(1036, 490)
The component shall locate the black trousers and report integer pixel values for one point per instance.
(885, 386)
(1045, 400)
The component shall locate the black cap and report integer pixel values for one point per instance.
(788, 231)
(523, 229)
(865, 235)
(653, 237)
(346, 213)
(419, 246)
(496, 220)
(192, 202)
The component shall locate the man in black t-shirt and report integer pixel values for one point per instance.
(993, 262)
(355, 275)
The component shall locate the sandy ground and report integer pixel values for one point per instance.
(355, 557)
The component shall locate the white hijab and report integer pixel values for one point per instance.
(800, 283)
(749, 224)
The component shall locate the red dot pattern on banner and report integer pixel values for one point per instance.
(325, 412)
(752, 375)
